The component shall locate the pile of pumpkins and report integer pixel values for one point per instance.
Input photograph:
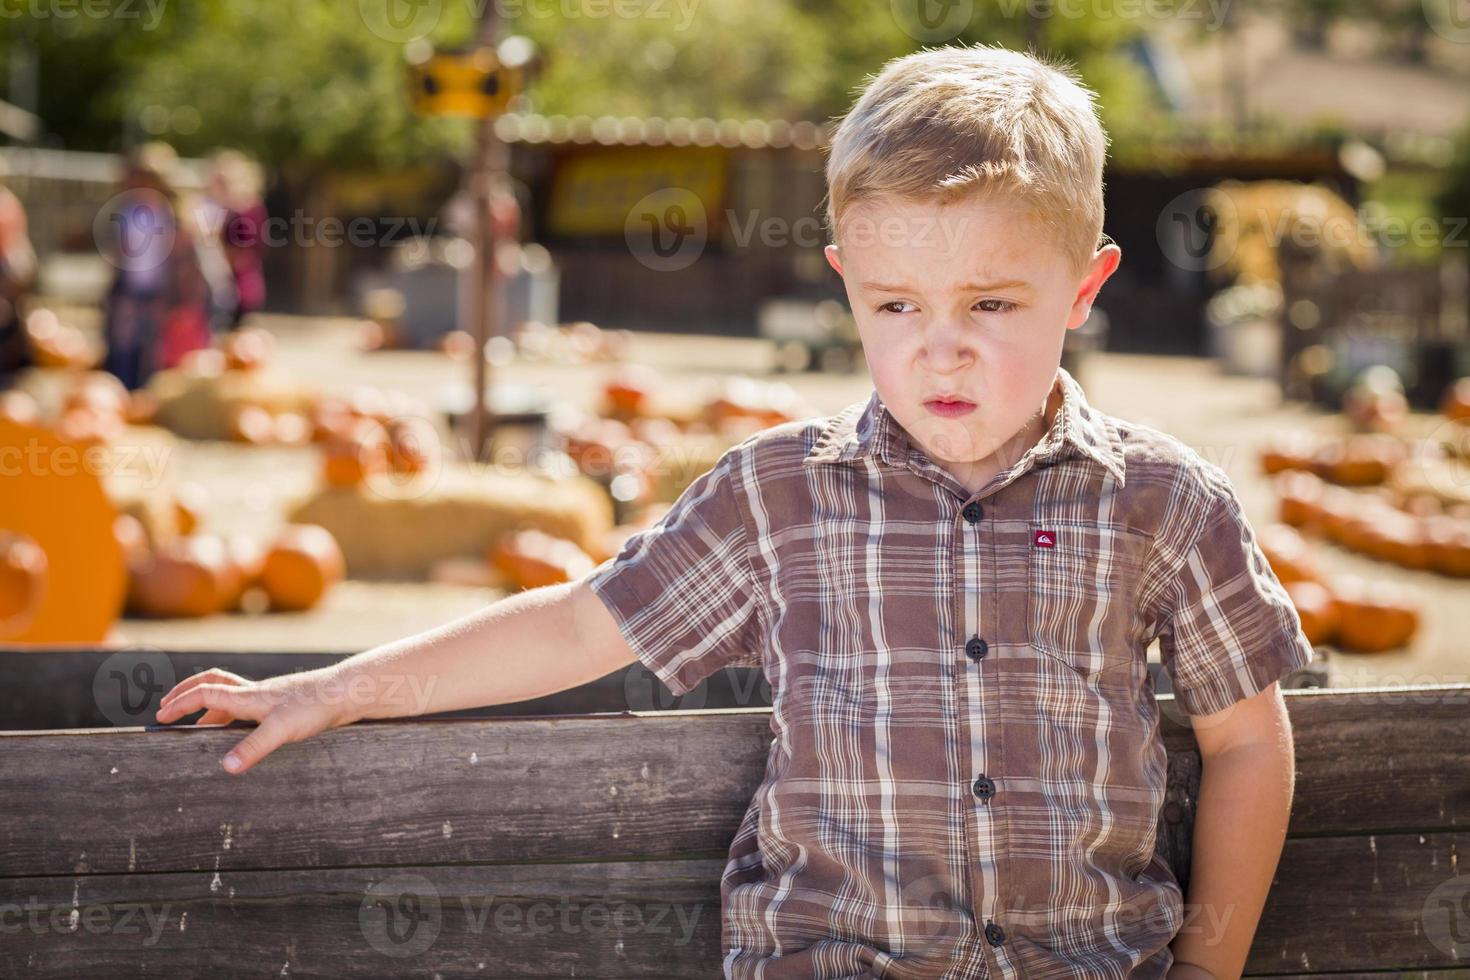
(1346, 611)
(1414, 532)
(566, 343)
(201, 573)
(529, 558)
(367, 432)
(620, 445)
(1353, 461)
(95, 409)
(54, 344)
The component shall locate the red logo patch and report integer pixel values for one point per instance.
(1046, 539)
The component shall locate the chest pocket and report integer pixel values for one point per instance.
(1082, 582)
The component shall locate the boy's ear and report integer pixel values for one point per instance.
(831, 252)
(1104, 264)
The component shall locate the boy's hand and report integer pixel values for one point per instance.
(289, 708)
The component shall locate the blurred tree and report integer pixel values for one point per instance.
(312, 84)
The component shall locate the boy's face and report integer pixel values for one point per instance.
(971, 301)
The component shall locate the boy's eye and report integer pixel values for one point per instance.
(991, 306)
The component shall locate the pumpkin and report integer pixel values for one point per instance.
(1455, 404)
(1374, 618)
(1358, 461)
(23, 578)
(1290, 450)
(627, 393)
(413, 445)
(252, 424)
(301, 566)
(100, 392)
(244, 560)
(17, 406)
(1301, 500)
(190, 502)
(142, 407)
(248, 349)
(1316, 608)
(88, 427)
(1288, 554)
(596, 444)
(353, 453)
(1448, 543)
(531, 559)
(187, 577)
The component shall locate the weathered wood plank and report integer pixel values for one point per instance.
(634, 919)
(1332, 906)
(382, 792)
(102, 688)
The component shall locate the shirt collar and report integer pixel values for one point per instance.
(866, 429)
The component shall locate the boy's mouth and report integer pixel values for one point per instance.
(949, 407)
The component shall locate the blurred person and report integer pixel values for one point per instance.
(144, 228)
(235, 191)
(17, 276)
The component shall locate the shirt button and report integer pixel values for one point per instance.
(984, 787)
(973, 512)
(994, 934)
(976, 649)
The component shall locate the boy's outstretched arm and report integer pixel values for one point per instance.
(1247, 778)
(523, 646)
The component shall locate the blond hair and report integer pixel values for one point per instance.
(946, 122)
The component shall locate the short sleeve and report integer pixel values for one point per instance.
(1228, 628)
(682, 591)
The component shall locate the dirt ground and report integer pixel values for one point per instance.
(1222, 417)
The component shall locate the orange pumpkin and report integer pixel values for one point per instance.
(413, 445)
(1289, 450)
(1288, 554)
(531, 559)
(1448, 542)
(1374, 618)
(627, 393)
(190, 502)
(187, 577)
(248, 349)
(1316, 608)
(301, 566)
(1456, 401)
(354, 452)
(17, 406)
(252, 424)
(22, 581)
(1301, 500)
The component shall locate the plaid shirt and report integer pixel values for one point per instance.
(966, 773)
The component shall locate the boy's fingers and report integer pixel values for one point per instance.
(239, 702)
(213, 675)
(270, 735)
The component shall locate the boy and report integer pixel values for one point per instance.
(950, 587)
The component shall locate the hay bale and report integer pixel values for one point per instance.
(138, 475)
(200, 406)
(459, 512)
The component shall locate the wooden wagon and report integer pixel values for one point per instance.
(523, 841)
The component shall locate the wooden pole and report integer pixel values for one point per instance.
(489, 162)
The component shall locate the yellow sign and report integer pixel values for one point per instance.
(463, 83)
(595, 191)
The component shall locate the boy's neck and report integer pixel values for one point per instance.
(975, 474)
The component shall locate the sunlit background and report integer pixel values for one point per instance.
(245, 248)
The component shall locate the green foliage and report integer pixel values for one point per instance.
(308, 84)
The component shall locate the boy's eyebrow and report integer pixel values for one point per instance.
(979, 287)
